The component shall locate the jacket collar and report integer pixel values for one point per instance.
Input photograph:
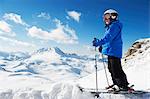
(113, 21)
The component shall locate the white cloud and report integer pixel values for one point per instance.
(14, 17)
(44, 15)
(38, 33)
(61, 34)
(5, 29)
(13, 45)
(5, 26)
(74, 15)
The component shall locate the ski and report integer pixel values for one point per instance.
(136, 92)
(104, 91)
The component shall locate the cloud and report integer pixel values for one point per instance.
(13, 45)
(44, 15)
(15, 18)
(5, 29)
(38, 33)
(74, 15)
(61, 34)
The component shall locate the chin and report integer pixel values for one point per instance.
(107, 23)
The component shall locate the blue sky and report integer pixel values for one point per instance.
(26, 25)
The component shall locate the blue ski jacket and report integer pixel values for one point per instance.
(112, 41)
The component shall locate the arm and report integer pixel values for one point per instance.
(110, 35)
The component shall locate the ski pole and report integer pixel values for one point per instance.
(97, 95)
(105, 70)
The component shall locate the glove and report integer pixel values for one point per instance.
(96, 42)
(100, 49)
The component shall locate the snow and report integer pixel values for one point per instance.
(49, 73)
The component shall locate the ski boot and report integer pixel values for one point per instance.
(114, 89)
(110, 86)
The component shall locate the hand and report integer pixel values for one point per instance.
(95, 42)
(100, 49)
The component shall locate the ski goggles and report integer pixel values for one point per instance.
(108, 16)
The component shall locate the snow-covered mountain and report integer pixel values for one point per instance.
(14, 56)
(50, 73)
(48, 64)
(3, 55)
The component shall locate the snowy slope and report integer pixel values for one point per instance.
(49, 73)
(138, 64)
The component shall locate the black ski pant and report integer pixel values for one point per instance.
(118, 76)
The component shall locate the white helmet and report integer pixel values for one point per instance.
(110, 11)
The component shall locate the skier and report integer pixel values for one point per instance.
(111, 45)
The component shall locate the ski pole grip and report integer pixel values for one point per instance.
(95, 40)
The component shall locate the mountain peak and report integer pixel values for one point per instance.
(41, 50)
(54, 49)
(59, 51)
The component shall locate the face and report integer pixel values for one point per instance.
(106, 19)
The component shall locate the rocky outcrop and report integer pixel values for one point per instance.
(138, 47)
